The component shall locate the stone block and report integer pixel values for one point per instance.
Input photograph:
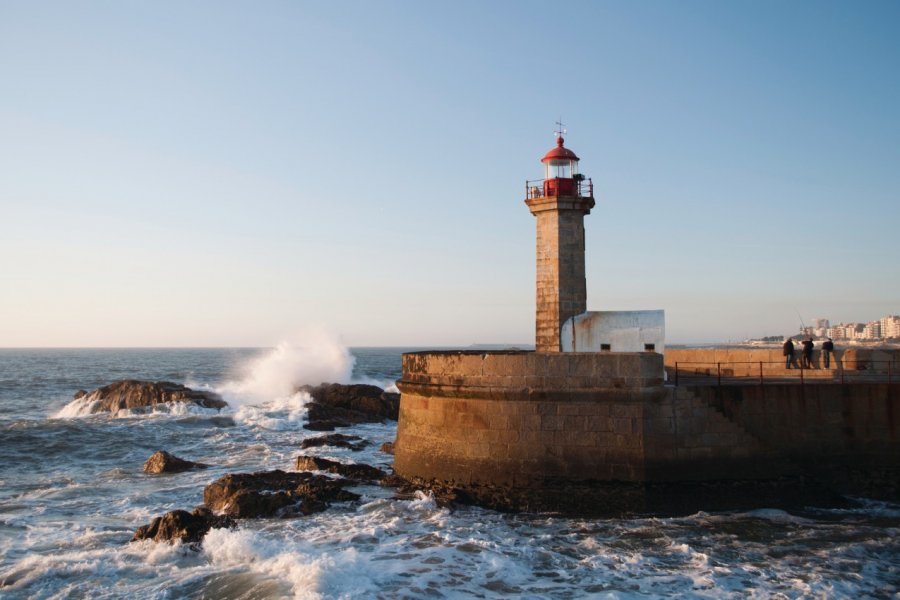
(622, 425)
(508, 436)
(606, 366)
(590, 408)
(665, 425)
(629, 365)
(575, 423)
(599, 423)
(498, 421)
(504, 364)
(651, 365)
(498, 450)
(581, 365)
(683, 410)
(552, 423)
(630, 409)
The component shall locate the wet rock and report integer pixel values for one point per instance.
(337, 440)
(326, 424)
(274, 494)
(357, 472)
(182, 526)
(387, 447)
(163, 462)
(79, 394)
(131, 394)
(358, 403)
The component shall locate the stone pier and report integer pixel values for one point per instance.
(599, 433)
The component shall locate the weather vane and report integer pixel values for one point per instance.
(560, 130)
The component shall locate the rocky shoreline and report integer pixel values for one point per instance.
(314, 484)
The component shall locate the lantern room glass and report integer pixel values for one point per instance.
(560, 168)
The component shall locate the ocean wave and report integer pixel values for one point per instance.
(279, 414)
(316, 357)
(83, 407)
(310, 574)
(80, 407)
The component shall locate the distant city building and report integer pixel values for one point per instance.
(872, 330)
(890, 327)
(885, 328)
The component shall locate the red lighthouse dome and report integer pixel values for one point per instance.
(560, 153)
(561, 176)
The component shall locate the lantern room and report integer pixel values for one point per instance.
(561, 176)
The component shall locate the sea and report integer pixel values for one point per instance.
(73, 492)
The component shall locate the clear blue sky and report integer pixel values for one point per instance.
(225, 173)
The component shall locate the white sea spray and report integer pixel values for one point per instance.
(314, 357)
(79, 407)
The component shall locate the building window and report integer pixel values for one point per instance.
(649, 347)
(605, 348)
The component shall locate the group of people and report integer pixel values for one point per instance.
(807, 352)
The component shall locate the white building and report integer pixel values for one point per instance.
(872, 331)
(890, 326)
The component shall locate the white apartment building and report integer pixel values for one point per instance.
(872, 330)
(884, 328)
(890, 326)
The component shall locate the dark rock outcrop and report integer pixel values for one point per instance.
(326, 424)
(337, 440)
(387, 447)
(132, 394)
(338, 405)
(163, 462)
(182, 526)
(357, 472)
(274, 494)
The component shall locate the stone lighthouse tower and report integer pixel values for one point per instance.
(559, 201)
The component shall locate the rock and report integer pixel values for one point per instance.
(274, 494)
(132, 394)
(326, 424)
(387, 447)
(182, 526)
(163, 462)
(338, 440)
(357, 472)
(358, 403)
(79, 394)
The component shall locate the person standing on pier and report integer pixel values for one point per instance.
(788, 350)
(827, 349)
(807, 353)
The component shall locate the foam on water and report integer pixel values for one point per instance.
(309, 574)
(281, 414)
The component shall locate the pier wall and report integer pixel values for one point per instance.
(526, 420)
(519, 418)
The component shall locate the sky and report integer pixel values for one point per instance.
(231, 173)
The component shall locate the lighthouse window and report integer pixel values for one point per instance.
(559, 169)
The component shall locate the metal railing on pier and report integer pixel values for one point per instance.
(765, 372)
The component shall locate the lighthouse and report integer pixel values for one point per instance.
(560, 202)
